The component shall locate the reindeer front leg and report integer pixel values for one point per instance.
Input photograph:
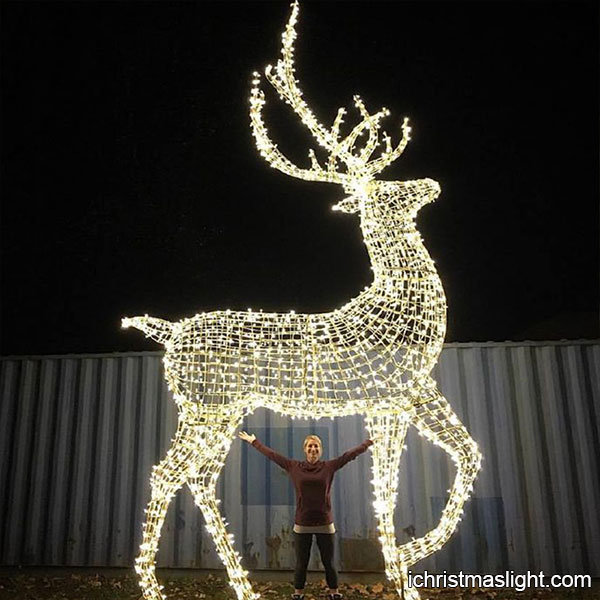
(388, 433)
(203, 485)
(167, 477)
(435, 419)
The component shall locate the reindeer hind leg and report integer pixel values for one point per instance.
(167, 477)
(203, 485)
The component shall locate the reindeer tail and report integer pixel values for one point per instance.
(156, 329)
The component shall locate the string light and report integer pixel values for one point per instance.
(372, 356)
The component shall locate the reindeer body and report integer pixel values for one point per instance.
(373, 356)
(328, 364)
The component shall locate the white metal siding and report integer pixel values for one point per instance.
(79, 434)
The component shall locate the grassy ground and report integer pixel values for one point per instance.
(211, 587)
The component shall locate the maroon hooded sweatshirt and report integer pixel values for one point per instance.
(312, 482)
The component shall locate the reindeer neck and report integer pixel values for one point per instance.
(397, 253)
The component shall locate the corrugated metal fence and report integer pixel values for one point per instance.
(79, 434)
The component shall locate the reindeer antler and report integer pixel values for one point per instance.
(283, 79)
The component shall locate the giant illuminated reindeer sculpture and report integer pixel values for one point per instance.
(373, 356)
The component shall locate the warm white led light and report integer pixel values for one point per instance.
(372, 356)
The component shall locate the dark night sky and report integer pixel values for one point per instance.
(131, 185)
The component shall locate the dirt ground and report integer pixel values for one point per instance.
(211, 587)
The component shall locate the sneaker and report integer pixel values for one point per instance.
(297, 596)
(334, 597)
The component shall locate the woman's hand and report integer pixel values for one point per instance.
(247, 437)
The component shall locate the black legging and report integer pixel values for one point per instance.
(302, 543)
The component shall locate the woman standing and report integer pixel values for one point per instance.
(312, 480)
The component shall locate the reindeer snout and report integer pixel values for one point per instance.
(434, 189)
(423, 191)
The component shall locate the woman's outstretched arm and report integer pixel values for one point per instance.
(282, 461)
(349, 455)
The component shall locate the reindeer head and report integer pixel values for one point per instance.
(351, 166)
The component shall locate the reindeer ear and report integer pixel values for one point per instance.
(349, 205)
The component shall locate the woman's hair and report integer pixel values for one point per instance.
(312, 436)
